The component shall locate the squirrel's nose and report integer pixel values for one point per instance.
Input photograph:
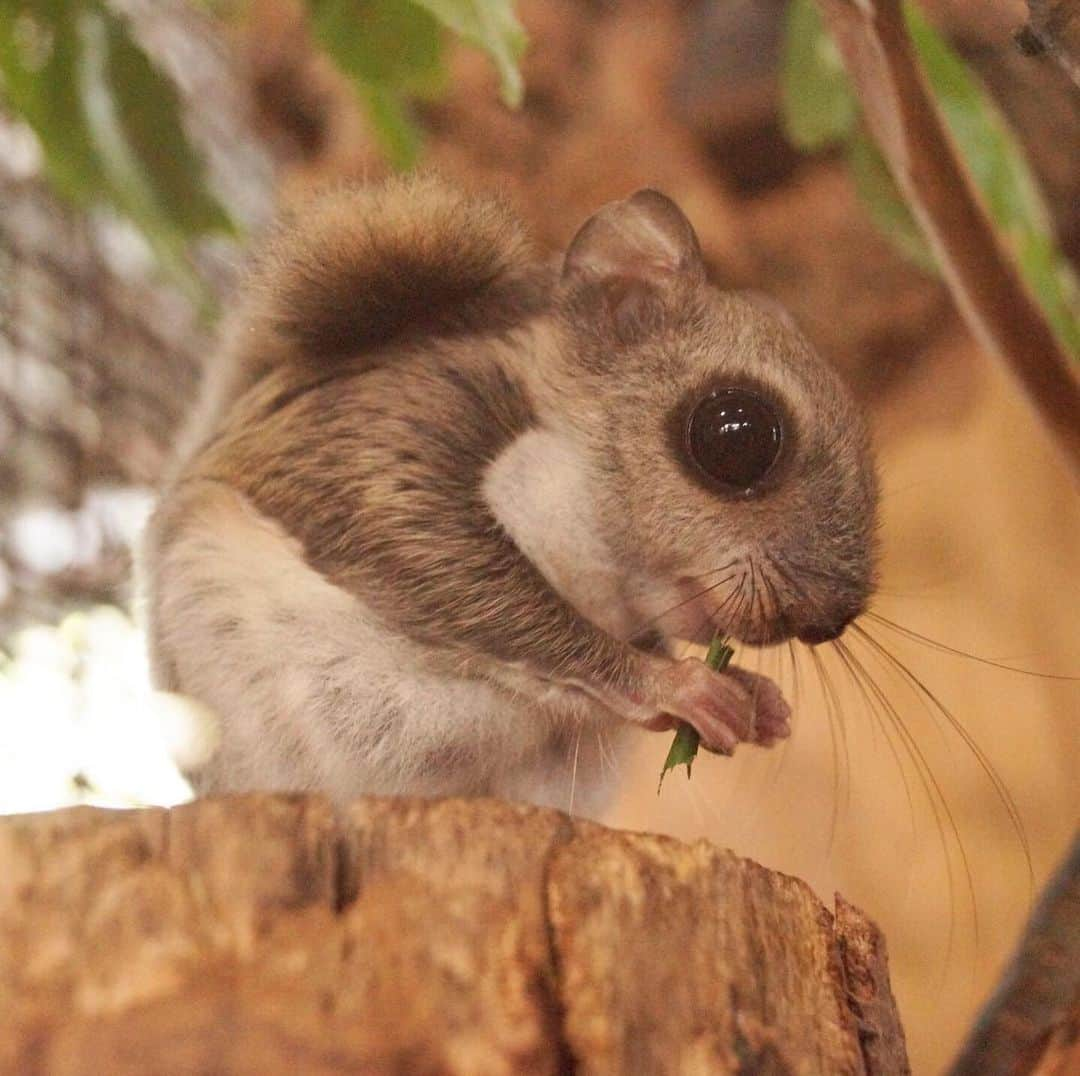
(825, 631)
(820, 633)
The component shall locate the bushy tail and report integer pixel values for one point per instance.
(360, 267)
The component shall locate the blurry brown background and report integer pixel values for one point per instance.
(981, 524)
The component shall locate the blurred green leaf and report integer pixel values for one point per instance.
(391, 50)
(878, 192)
(39, 48)
(817, 107)
(394, 126)
(1055, 284)
(820, 110)
(108, 123)
(492, 26)
(147, 109)
(389, 43)
(999, 167)
(981, 132)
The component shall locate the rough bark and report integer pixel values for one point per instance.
(1032, 1022)
(262, 935)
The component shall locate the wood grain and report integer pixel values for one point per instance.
(261, 934)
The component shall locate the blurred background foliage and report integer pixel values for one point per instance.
(109, 123)
(145, 135)
(399, 56)
(820, 110)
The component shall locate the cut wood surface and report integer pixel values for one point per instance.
(263, 934)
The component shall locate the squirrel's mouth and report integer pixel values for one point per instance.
(686, 609)
(702, 612)
(746, 605)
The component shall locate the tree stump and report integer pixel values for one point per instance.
(263, 934)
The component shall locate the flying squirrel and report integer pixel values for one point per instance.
(446, 506)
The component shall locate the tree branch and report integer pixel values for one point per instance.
(999, 310)
(1038, 1000)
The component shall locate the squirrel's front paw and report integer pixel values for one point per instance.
(724, 707)
(770, 712)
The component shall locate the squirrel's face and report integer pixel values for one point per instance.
(733, 471)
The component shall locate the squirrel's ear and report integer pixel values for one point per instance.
(642, 238)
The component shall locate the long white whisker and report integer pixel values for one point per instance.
(573, 772)
(935, 644)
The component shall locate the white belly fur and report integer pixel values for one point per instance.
(315, 694)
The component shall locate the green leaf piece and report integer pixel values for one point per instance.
(684, 747)
(490, 25)
(683, 751)
(817, 105)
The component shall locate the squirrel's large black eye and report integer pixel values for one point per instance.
(734, 436)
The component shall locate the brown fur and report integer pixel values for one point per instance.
(385, 498)
(398, 340)
(358, 269)
(377, 471)
(362, 267)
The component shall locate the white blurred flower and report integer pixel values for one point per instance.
(80, 723)
(47, 539)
